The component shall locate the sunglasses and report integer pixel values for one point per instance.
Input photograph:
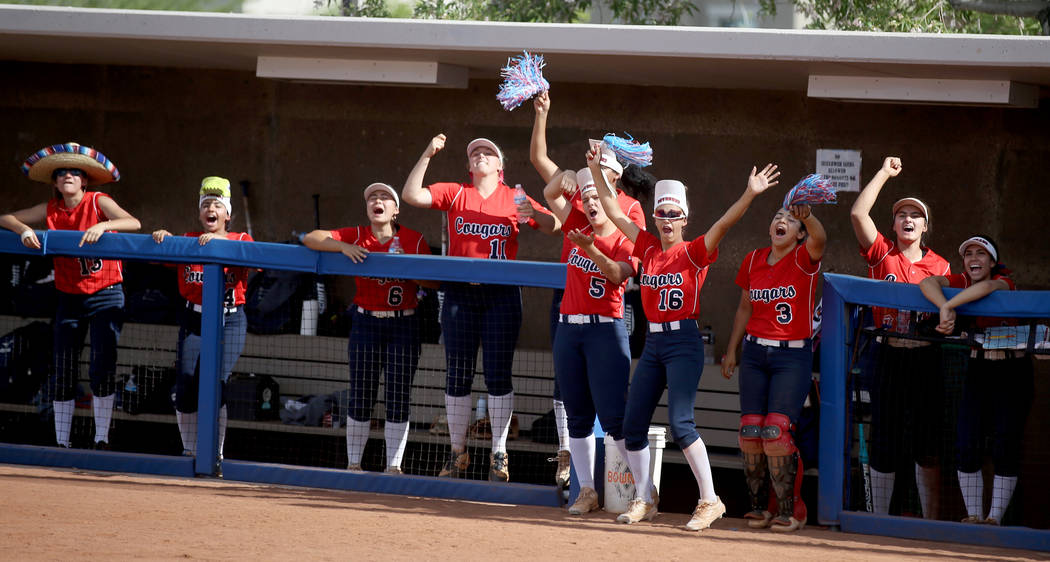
(60, 172)
(672, 216)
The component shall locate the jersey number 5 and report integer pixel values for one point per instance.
(597, 289)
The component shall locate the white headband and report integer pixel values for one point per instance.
(224, 200)
(672, 192)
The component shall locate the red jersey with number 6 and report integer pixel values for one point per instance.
(82, 276)
(887, 263)
(782, 295)
(587, 290)
(191, 277)
(671, 280)
(384, 294)
(480, 227)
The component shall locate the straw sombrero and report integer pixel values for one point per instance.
(43, 162)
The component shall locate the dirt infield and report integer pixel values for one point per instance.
(52, 514)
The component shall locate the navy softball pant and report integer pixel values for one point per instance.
(382, 345)
(774, 379)
(592, 365)
(485, 315)
(103, 314)
(188, 354)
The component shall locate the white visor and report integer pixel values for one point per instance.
(383, 187)
(982, 242)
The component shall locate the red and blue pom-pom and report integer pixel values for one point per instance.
(814, 189)
(629, 150)
(522, 79)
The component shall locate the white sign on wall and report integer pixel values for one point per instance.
(842, 167)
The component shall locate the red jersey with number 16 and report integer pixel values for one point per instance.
(82, 276)
(191, 277)
(781, 295)
(671, 280)
(480, 227)
(587, 290)
(384, 294)
(887, 263)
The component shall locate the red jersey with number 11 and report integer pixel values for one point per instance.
(671, 280)
(384, 294)
(781, 295)
(480, 227)
(82, 276)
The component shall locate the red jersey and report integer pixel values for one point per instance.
(587, 290)
(82, 276)
(383, 294)
(962, 281)
(782, 295)
(671, 280)
(629, 205)
(480, 227)
(887, 263)
(191, 277)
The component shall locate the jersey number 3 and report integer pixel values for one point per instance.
(785, 312)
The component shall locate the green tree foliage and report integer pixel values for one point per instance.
(930, 16)
(174, 5)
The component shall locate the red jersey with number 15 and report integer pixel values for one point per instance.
(81, 276)
(671, 280)
(384, 294)
(887, 263)
(480, 227)
(782, 295)
(587, 290)
(191, 277)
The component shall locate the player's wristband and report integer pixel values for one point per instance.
(26, 234)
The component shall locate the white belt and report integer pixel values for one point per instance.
(902, 342)
(387, 313)
(225, 309)
(586, 319)
(665, 326)
(995, 354)
(792, 344)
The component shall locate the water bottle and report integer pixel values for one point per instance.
(482, 410)
(519, 198)
(708, 336)
(903, 321)
(395, 246)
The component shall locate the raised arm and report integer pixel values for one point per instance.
(818, 237)
(119, 220)
(538, 147)
(558, 191)
(414, 193)
(615, 271)
(860, 213)
(740, 320)
(608, 199)
(16, 222)
(757, 183)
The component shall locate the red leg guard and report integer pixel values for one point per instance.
(776, 436)
(750, 438)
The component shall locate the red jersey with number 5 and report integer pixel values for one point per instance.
(887, 263)
(191, 277)
(480, 227)
(384, 294)
(81, 276)
(671, 280)
(782, 295)
(587, 290)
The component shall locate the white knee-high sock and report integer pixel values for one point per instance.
(881, 491)
(103, 408)
(63, 420)
(582, 450)
(356, 438)
(187, 430)
(928, 482)
(224, 419)
(457, 412)
(561, 421)
(638, 462)
(501, 408)
(700, 464)
(396, 435)
(1002, 491)
(972, 486)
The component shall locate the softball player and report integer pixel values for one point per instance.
(673, 271)
(779, 285)
(385, 331)
(592, 357)
(90, 292)
(998, 382)
(905, 260)
(630, 206)
(215, 209)
(483, 222)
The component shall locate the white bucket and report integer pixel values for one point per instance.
(308, 323)
(619, 483)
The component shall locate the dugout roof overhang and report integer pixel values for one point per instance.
(727, 58)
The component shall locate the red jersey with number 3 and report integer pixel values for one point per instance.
(962, 281)
(782, 295)
(671, 280)
(887, 263)
(480, 227)
(587, 290)
(384, 294)
(629, 205)
(191, 277)
(82, 276)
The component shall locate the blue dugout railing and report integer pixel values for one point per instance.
(265, 255)
(840, 292)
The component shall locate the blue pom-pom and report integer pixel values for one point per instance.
(629, 150)
(814, 189)
(522, 79)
